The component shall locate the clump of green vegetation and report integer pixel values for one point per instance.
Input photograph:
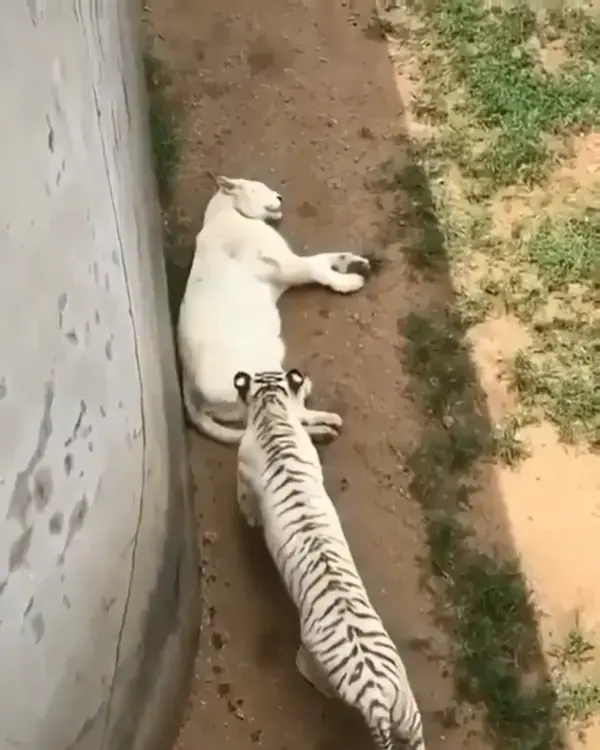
(509, 93)
(508, 445)
(565, 387)
(578, 695)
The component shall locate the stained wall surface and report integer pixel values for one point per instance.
(98, 605)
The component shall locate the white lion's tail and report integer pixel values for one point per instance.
(205, 423)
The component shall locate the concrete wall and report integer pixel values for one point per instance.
(98, 605)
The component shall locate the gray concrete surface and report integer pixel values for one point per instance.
(98, 573)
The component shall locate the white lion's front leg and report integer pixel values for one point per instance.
(322, 426)
(342, 272)
(248, 502)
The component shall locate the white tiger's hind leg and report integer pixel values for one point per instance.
(248, 503)
(312, 673)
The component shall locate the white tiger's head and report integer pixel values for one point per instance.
(290, 384)
(252, 199)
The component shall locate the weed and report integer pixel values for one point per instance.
(577, 701)
(578, 697)
(576, 650)
(508, 446)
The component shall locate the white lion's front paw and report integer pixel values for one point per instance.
(331, 419)
(317, 418)
(322, 433)
(351, 264)
(346, 283)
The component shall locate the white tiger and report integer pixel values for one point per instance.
(229, 319)
(345, 649)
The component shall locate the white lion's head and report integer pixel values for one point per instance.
(252, 199)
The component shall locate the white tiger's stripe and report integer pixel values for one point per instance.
(280, 486)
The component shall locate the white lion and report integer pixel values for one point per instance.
(229, 319)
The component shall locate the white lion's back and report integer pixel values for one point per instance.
(228, 321)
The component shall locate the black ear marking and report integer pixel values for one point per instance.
(295, 380)
(241, 382)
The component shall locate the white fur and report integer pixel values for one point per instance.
(229, 319)
(345, 649)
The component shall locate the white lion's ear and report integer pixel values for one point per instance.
(225, 184)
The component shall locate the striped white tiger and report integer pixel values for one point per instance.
(345, 649)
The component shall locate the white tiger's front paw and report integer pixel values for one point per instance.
(351, 264)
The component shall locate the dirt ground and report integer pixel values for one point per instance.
(302, 95)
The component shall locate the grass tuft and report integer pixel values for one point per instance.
(509, 448)
(567, 252)
(578, 695)
(565, 387)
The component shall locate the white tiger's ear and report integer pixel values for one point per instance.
(295, 380)
(227, 185)
(241, 383)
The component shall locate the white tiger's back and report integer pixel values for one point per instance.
(344, 639)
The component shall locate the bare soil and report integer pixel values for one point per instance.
(302, 95)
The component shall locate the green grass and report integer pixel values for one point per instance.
(567, 252)
(508, 93)
(565, 386)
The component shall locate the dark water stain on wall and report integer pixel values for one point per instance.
(21, 498)
(19, 549)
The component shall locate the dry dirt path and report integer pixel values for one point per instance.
(301, 95)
